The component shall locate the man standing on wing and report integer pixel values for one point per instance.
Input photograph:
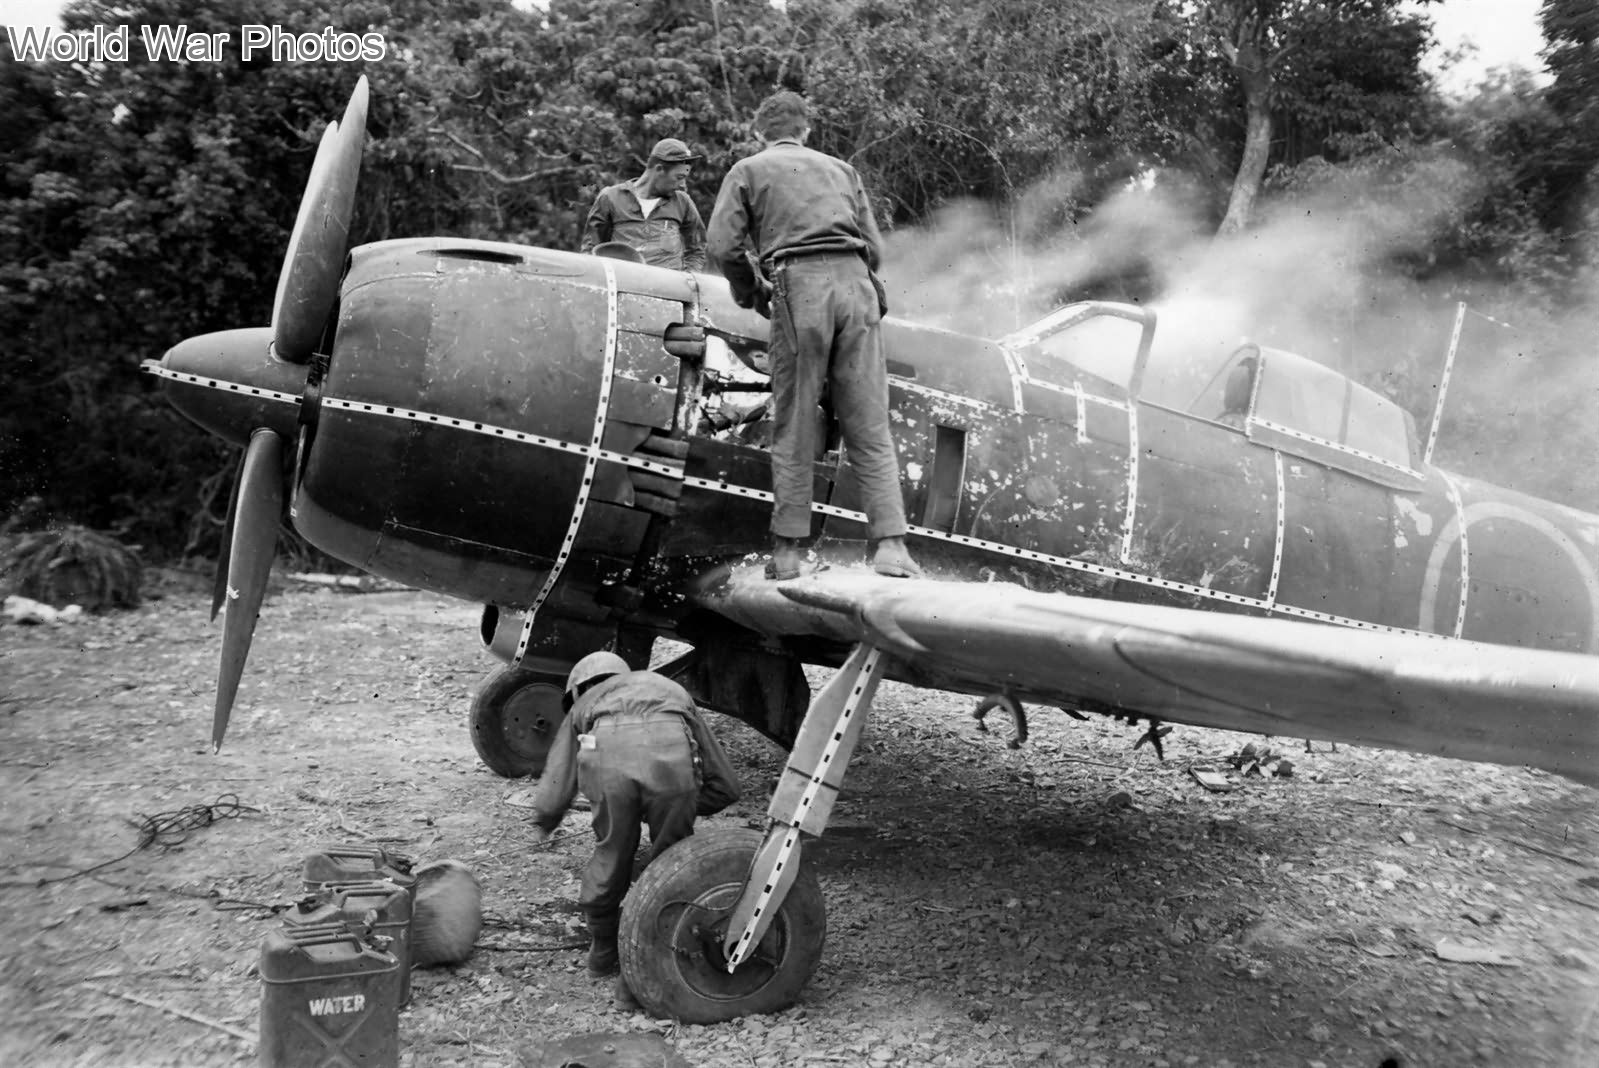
(806, 216)
(653, 213)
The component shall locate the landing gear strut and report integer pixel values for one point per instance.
(728, 922)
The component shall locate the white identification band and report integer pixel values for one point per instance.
(590, 462)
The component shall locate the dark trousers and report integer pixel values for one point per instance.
(825, 332)
(639, 771)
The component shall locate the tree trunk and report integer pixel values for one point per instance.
(1256, 80)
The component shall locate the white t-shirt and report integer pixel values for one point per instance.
(648, 204)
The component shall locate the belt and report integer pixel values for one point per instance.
(779, 262)
(636, 719)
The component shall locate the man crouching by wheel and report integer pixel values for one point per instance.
(634, 743)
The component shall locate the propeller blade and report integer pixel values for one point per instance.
(308, 282)
(254, 542)
(219, 581)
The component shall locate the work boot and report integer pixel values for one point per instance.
(623, 994)
(893, 559)
(787, 556)
(603, 959)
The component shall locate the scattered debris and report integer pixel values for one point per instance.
(1018, 716)
(615, 1049)
(1391, 872)
(1471, 953)
(27, 611)
(123, 904)
(242, 1036)
(1529, 846)
(1263, 761)
(348, 583)
(1570, 958)
(1214, 781)
(1153, 736)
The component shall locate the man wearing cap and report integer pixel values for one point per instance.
(807, 218)
(636, 746)
(653, 214)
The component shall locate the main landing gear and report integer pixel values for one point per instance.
(514, 719)
(677, 919)
(727, 922)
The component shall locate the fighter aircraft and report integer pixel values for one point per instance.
(1241, 539)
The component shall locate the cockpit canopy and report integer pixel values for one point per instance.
(1245, 386)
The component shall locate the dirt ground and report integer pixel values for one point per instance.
(1074, 902)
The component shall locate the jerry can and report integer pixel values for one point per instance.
(329, 999)
(374, 907)
(353, 863)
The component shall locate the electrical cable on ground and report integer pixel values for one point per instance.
(166, 829)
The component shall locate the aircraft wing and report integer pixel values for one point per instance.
(1392, 689)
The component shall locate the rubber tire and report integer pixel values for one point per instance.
(709, 867)
(514, 719)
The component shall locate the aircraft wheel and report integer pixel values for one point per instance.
(514, 719)
(676, 917)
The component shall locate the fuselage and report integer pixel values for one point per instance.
(525, 428)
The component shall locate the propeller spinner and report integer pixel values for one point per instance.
(269, 368)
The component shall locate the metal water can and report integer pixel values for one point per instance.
(354, 863)
(329, 999)
(370, 907)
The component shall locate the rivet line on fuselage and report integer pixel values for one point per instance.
(636, 462)
(591, 461)
(1129, 512)
(154, 367)
(910, 385)
(1348, 450)
(1076, 390)
(1082, 397)
(1281, 535)
(1074, 564)
(1465, 554)
(717, 486)
(1015, 370)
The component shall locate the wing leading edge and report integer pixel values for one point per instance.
(1396, 690)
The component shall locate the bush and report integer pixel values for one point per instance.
(71, 565)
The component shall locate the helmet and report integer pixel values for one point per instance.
(592, 667)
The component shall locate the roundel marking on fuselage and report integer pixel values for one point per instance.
(1479, 511)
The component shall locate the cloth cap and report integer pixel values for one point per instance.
(671, 150)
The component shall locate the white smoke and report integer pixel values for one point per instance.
(1324, 272)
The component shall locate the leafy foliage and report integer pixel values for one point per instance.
(1304, 76)
(146, 202)
(143, 202)
(535, 113)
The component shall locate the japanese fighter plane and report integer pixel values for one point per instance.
(1239, 539)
